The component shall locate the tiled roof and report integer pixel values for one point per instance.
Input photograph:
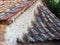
(45, 27)
(8, 8)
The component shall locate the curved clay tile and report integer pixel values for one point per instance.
(45, 27)
(9, 8)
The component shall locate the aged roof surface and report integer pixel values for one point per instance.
(45, 27)
(8, 8)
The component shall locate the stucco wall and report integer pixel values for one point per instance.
(20, 25)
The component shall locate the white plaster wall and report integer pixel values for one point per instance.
(20, 26)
